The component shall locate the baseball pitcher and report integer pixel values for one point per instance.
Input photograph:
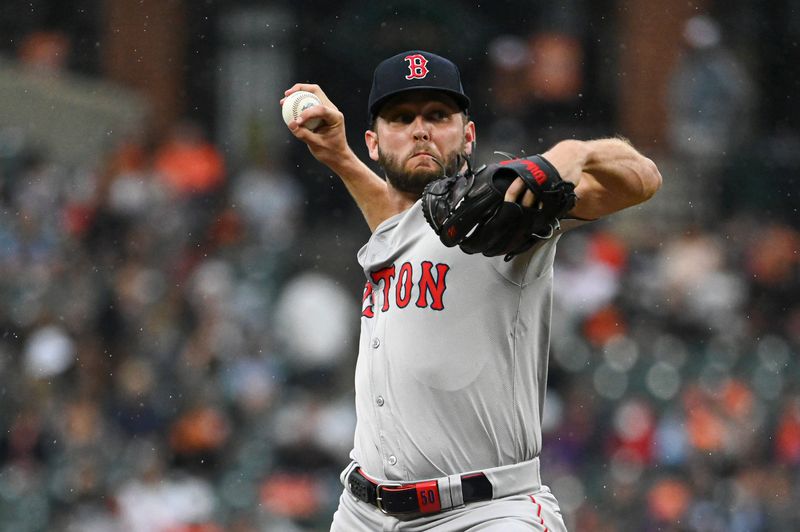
(455, 322)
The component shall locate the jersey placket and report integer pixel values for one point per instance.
(380, 382)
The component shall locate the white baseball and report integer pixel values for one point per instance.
(296, 103)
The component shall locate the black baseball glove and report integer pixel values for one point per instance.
(469, 209)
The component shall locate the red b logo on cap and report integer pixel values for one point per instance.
(417, 66)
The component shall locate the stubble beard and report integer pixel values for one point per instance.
(414, 181)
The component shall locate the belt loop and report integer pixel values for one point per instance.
(444, 492)
(346, 473)
(456, 493)
(522, 477)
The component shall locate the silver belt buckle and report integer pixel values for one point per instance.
(379, 499)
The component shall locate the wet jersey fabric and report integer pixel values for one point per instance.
(453, 353)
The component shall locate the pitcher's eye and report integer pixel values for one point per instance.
(401, 118)
(439, 115)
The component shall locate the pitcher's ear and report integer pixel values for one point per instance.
(470, 137)
(371, 139)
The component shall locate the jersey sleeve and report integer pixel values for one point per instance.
(568, 224)
(538, 261)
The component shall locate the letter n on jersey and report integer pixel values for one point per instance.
(425, 283)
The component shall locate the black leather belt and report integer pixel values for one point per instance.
(420, 497)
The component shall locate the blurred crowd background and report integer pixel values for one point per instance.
(179, 295)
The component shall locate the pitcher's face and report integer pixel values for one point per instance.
(418, 137)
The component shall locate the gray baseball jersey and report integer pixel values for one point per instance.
(452, 362)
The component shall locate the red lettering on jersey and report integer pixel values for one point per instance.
(417, 66)
(403, 289)
(386, 275)
(436, 288)
(366, 311)
(538, 174)
(431, 286)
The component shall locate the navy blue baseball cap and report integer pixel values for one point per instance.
(415, 70)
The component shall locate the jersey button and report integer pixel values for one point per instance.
(379, 401)
(376, 343)
(392, 460)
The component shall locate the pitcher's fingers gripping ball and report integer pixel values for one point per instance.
(469, 209)
(296, 103)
